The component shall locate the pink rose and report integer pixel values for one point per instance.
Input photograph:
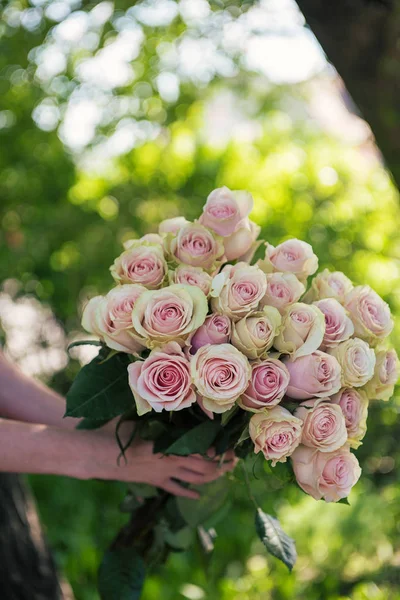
(192, 276)
(283, 289)
(241, 245)
(242, 289)
(324, 426)
(357, 361)
(293, 256)
(338, 325)
(162, 381)
(386, 375)
(315, 375)
(276, 433)
(216, 329)
(354, 405)
(172, 225)
(142, 263)
(369, 313)
(170, 314)
(329, 284)
(268, 384)
(327, 475)
(225, 210)
(303, 328)
(221, 374)
(197, 246)
(255, 333)
(110, 317)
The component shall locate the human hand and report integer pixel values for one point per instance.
(143, 466)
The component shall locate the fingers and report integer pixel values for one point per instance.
(198, 478)
(174, 488)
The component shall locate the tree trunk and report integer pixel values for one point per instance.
(361, 39)
(27, 570)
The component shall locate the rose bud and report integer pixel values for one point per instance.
(110, 317)
(283, 289)
(324, 425)
(254, 334)
(242, 244)
(216, 329)
(315, 375)
(386, 375)
(327, 475)
(221, 374)
(192, 276)
(329, 284)
(225, 210)
(162, 381)
(354, 405)
(242, 289)
(303, 328)
(142, 263)
(268, 384)
(276, 433)
(170, 314)
(369, 313)
(197, 246)
(293, 256)
(357, 361)
(172, 225)
(338, 325)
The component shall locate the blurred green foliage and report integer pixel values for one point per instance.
(63, 221)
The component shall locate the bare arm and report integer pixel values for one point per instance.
(35, 438)
(24, 399)
(33, 448)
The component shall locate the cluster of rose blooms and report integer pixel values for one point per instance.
(225, 335)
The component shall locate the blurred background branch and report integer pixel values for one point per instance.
(361, 39)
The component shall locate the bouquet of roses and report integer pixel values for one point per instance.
(202, 346)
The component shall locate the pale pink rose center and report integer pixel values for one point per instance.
(336, 285)
(324, 370)
(220, 323)
(220, 210)
(245, 291)
(167, 317)
(278, 290)
(302, 317)
(290, 256)
(324, 424)
(169, 379)
(349, 405)
(197, 245)
(262, 330)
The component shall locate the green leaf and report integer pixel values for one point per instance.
(245, 435)
(143, 490)
(179, 540)
(344, 501)
(92, 423)
(121, 575)
(84, 343)
(276, 541)
(101, 390)
(195, 441)
(227, 415)
(213, 497)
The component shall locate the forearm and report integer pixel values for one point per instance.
(24, 399)
(33, 448)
